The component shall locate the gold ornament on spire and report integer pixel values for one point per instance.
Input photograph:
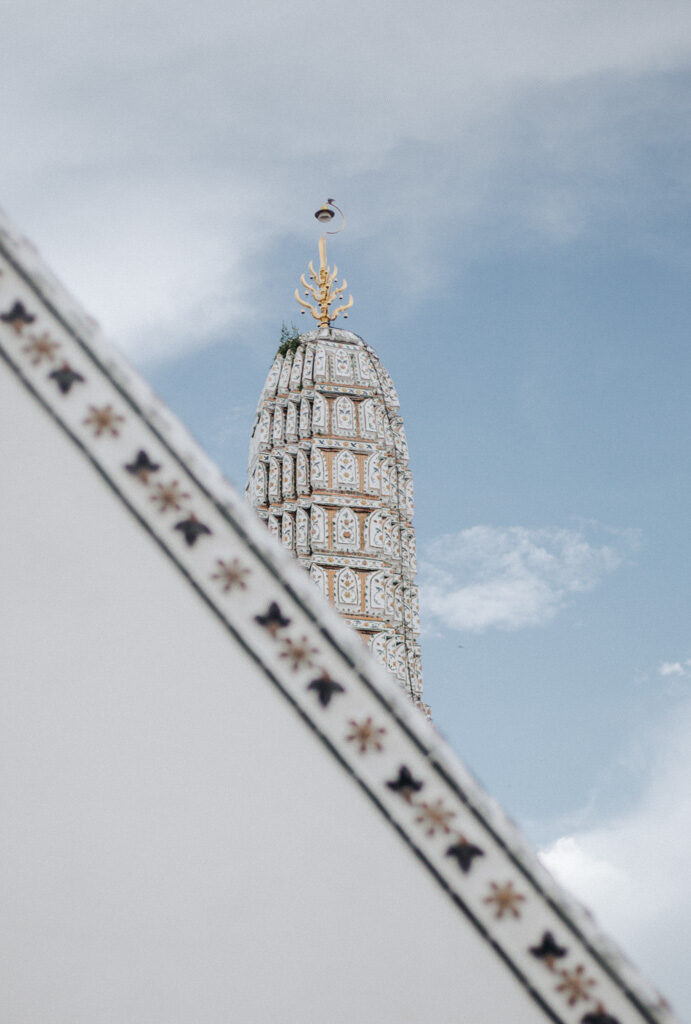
(322, 285)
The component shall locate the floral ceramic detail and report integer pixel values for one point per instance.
(169, 496)
(103, 420)
(231, 575)
(575, 985)
(41, 347)
(505, 900)
(298, 653)
(366, 735)
(434, 817)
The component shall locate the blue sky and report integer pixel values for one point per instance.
(516, 182)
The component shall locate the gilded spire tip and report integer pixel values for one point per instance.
(322, 284)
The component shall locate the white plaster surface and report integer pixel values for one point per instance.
(177, 845)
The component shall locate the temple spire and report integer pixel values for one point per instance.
(322, 285)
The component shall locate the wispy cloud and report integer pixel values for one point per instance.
(159, 157)
(513, 577)
(633, 871)
(675, 668)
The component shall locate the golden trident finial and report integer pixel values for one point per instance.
(323, 289)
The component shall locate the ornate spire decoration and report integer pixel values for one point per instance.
(322, 285)
(328, 472)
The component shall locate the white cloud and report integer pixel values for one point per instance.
(513, 577)
(632, 872)
(674, 668)
(157, 156)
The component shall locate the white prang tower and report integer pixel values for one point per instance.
(328, 472)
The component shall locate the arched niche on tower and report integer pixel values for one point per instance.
(346, 472)
(296, 371)
(346, 530)
(344, 415)
(274, 480)
(302, 475)
(375, 593)
(374, 526)
(292, 422)
(320, 578)
(320, 363)
(368, 418)
(277, 432)
(348, 590)
(308, 367)
(272, 379)
(264, 428)
(284, 379)
(288, 531)
(365, 369)
(318, 526)
(305, 417)
(342, 366)
(259, 483)
(373, 473)
(320, 414)
(318, 474)
(288, 476)
(302, 532)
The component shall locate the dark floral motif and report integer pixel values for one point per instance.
(325, 687)
(192, 529)
(366, 735)
(272, 620)
(505, 899)
(142, 466)
(434, 817)
(17, 317)
(464, 853)
(600, 1016)
(169, 496)
(231, 575)
(41, 347)
(575, 985)
(104, 420)
(549, 950)
(405, 784)
(66, 377)
(298, 652)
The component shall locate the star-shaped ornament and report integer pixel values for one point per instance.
(17, 317)
(405, 784)
(325, 687)
(170, 495)
(505, 899)
(65, 378)
(272, 620)
(231, 575)
(142, 466)
(575, 985)
(192, 530)
(464, 853)
(41, 347)
(549, 950)
(298, 652)
(600, 1016)
(104, 420)
(434, 817)
(366, 735)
